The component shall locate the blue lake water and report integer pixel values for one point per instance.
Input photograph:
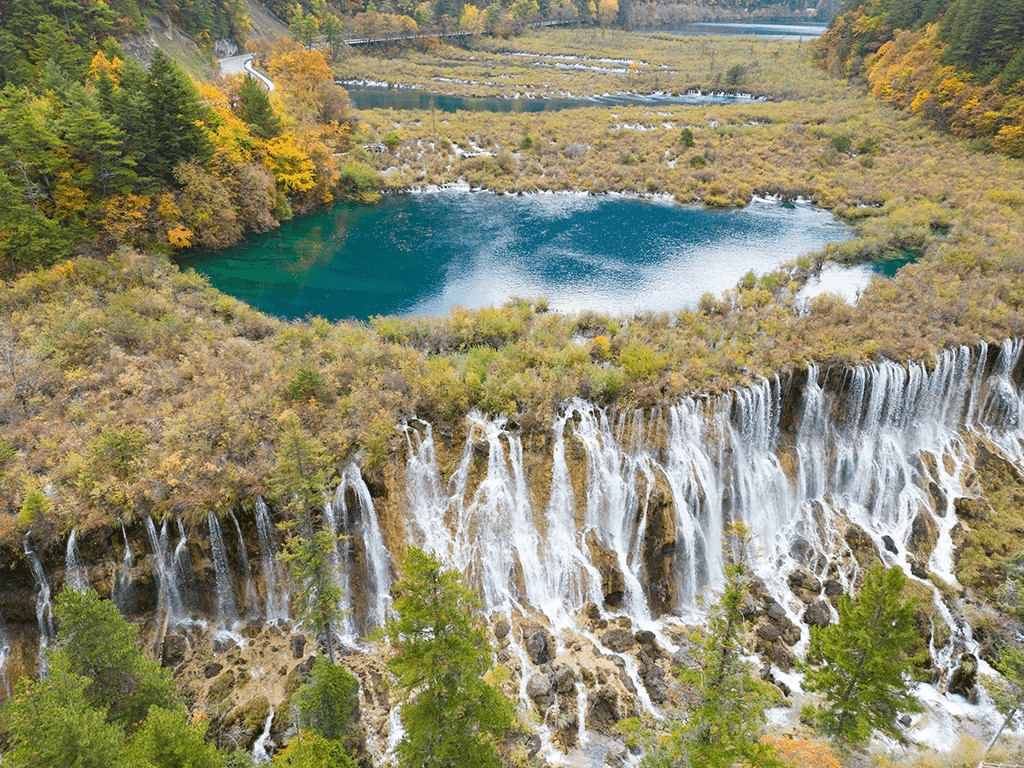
(426, 253)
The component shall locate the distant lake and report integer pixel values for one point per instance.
(383, 97)
(781, 29)
(426, 253)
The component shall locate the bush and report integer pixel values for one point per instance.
(307, 384)
(360, 182)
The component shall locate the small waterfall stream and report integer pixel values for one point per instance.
(260, 755)
(273, 584)
(5, 654)
(123, 577)
(243, 557)
(227, 603)
(44, 610)
(358, 525)
(74, 573)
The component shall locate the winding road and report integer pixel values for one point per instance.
(242, 65)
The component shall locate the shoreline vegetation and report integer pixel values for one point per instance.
(132, 388)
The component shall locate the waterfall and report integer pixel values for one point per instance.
(227, 604)
(874, 446)
(74, 574)
(174, 573)
(260, 755)
(243, 557)
(44, 611)
(5, 653)
(358, 523)
(276, 596)
(123, 577)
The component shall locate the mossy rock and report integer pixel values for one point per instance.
(250, 715)
(221, 687)
(994, 524)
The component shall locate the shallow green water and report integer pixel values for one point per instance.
(426, 253)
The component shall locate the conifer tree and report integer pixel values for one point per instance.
(299, 481)
(450, 712)
(255, 109)
(723, 728)
(866, 661)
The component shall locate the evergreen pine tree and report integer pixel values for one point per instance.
(299, 482)
(173, 121)
(254, 108)
(866, 661)
(450, 712)
(723, 728)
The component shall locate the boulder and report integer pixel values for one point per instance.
(923, 535)
(540, 647)
(818, 614)
(964, 677)
(602, 710)
(539, 687)
(618, 639)
(564, 679)
(804, 584)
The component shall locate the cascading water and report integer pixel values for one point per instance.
(74, 573)
(44, 611)
(358, 523)
(5, 653)
(123, 577)
(227, 603)
(260, 755)
(243, 557)
(276, 596)
(874, 447)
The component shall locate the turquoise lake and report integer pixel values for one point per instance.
(426, 253)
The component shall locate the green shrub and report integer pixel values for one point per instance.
(33, 508)
(357, 181)
(307, 384)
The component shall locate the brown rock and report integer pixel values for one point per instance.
(618, 639)
(540, 647)
(818, 614)
(602, 710)
(804, 584)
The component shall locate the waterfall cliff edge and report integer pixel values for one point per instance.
(596, 540)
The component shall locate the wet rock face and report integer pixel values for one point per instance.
(540, 646)
(659, 550)
(964, 677)
(613, 585)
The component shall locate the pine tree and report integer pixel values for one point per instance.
(173, 120)
(866, 661)
(450, 712)
(723, 728)
(254, 108)
(101, 646)
(299, 482)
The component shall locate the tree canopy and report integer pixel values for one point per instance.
(440, 658)
(864, 663)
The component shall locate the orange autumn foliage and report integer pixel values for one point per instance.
(803, 753)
